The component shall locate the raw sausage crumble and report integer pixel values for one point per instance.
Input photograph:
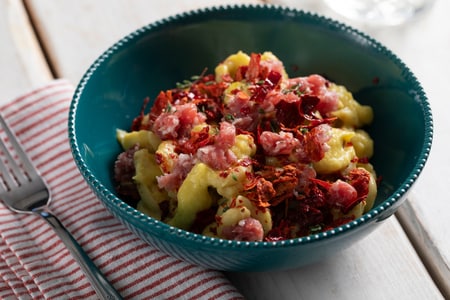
(249, 154)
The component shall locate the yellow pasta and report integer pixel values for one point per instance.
(355, 212)
(146, 173)
(194, 194)
(231, 64)
(272, 60)
(371, 196)
(340, 154)
(167, 155)
(145, 138)
(244, 146)
(362, 143)
(230, 91)
(231, 212)
(262, 215)
(231, 217)
(351, 113)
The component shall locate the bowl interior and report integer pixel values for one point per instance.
(155, 57)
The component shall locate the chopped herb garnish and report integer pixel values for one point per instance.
(297, 89)
(185, 84)
(229, 117)
(315, 228)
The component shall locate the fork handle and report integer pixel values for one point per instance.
(101, 285)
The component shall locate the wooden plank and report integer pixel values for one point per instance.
(84, 29)
(426, 215)
(75, 33)
(368, 270)
(22, 64)
(423, 45)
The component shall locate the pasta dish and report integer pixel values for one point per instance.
(247, 153)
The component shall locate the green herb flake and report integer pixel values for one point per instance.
(315, 228)
(297, 89)
(229, 117)
(304, 130)
(185, 84)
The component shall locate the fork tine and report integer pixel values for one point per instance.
(5, 173)
(23, 170)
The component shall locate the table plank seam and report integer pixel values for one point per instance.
(425, 248)
(40, 40)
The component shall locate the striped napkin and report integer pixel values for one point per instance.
(35, 264)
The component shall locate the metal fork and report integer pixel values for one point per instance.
(23, 190)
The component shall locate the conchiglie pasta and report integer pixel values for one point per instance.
(355, 212)
(194, 195)
(274, 63)
(230, 92)
(145, 178)
(365, 205)
(362, 143)
(231, 212)
(261, 214)
(351, 113)
(166, 155)
(371, 196)
(340, 154)
(145, 139)
(231, 64)
(231, 217)
(244, 146)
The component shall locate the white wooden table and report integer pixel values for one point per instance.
(408, 257)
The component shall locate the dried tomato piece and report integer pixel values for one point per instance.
(288, 114)
(269, 83)
(211, 109)
(359, 178)
(196, 140)
(308, 106)
(273, 186)
(346, 194)
(163, 102)
(137, 123)
(254, 67)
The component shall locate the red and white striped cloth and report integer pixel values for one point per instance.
(34, 264)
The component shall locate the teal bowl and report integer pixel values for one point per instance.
(158, 55)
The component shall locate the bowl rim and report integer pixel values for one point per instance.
(376, 214)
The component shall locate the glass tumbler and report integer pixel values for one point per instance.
(380, 12)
